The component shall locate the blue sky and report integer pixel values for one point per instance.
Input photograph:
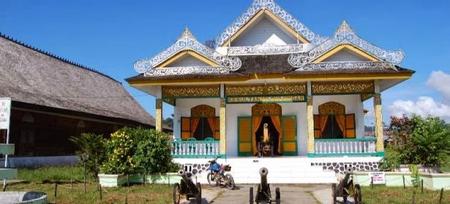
(111, 35)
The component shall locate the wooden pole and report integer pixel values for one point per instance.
(441, 195)
(414, 197)
(84, 164)
(404, 186)
(56, 191)
(421, 186)
(371, 182)
(100, 191)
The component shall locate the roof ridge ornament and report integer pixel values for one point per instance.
(187, 34)
(345, 35)
(264, 3)
(344, 28)
(278, 11)
(187, 41)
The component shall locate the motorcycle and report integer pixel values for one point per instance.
(217, 176)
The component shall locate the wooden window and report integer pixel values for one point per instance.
(317, 126)
(289, 127)
(350, 131)
(245, 136)
(185, 128)
(217, 129)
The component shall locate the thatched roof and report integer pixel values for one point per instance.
(33, 76)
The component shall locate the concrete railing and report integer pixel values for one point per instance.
(208, 148)
(345, 146)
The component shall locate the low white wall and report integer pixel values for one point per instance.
(33, 162)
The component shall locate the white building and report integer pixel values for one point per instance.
(267, 67)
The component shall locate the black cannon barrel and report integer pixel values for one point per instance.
(263, 173)
(187, 178)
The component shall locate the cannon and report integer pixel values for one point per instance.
(187, 188)
(346, 188)
(263, 194)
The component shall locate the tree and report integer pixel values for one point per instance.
(418, 140)
(430, 142)
(91, 150)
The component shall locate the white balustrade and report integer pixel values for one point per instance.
(344, 146)
(195, 148)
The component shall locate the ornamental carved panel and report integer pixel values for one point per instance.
(265, 99)
(342, 87)
(203, 111)
(266, 109)
(332, 108)
(266, 89)
(190, 91)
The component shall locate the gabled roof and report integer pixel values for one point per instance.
(188, 43)
(344, 35)
(274, 11)
(36, 77)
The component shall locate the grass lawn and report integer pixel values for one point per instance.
(383, 194)
(42, 180)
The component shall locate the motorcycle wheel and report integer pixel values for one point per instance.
(211, 179)
(230, 182)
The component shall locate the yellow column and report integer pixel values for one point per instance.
(158, 114)
(378, 122)
(223, 138)
(310, 124)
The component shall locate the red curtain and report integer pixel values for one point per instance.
(212, 124)
(194, 124)
(341, 123)
(323, 123)
(276, 120)
(256, 120)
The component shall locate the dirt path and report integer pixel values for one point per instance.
(295, 194)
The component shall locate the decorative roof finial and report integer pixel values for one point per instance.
(344, 28)
(186, 34)
(263, 3)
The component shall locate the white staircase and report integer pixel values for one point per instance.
(282, 170)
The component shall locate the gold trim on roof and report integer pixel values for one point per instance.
(266, 89)
(342, 87)
(190, 91)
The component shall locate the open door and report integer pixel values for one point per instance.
(245, 136)
(289, 143)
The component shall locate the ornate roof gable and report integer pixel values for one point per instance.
(346, 36)
(271, 6)
(187, 42)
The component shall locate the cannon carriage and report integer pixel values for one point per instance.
(263, 193)
(346, 188)
(187, 188)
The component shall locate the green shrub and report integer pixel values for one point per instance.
(391, 160)
(137, 150)
(91, 150)
(420, 140)
(415, 178)
(430, 142)
(120, 149)
(153, 151)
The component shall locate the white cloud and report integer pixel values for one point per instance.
(440, 81)
(424, 106)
